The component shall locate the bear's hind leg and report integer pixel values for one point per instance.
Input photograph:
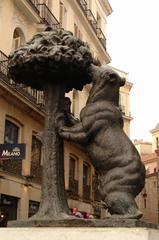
(122, 205)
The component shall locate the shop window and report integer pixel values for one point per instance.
(11, 133)
(86, 174)
(8, 206)
(18, 38)
(33, 208)
(36, 150)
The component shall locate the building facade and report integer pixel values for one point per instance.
(22, 108)
(148, 199)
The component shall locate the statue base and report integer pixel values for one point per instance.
(91, 233)
(79, 222)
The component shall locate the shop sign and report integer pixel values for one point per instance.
(12, 151)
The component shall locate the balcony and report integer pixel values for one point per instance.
(34, 4)
(3, 64)
(72, 192)
(12, 166)
(39, 12)
(93, 22)
(47, 17)
(32, 95)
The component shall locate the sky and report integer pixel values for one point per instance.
(133, 44)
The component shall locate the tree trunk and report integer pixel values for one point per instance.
(53, 201)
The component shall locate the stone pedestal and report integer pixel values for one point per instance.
(83, 223)
(54, 233)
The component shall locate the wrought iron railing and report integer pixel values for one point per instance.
(34, 4)
(73, 187)
(33, 95)
(93, 22)
(45, 14)
(47, 17)
(86, 192)
(3, 63)
(83, 4)
(101, 37)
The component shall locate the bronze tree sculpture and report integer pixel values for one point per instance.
(122, 174)
(53, 61)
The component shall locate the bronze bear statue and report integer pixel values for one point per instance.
(115, 158)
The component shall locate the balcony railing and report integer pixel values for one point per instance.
(34, 4)
(83, 4)
(45, 14)
(33, 95)
(47, 17)
(73, 188)
(86, 192)
(3, 64)
(93, 22)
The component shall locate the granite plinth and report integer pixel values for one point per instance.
(78, 233)
(77, 222)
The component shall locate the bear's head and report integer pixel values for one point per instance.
(106, 84)
(107, 75)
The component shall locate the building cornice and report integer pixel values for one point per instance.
(154, 130)
(106, 6)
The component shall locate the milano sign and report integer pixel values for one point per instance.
(12, 151)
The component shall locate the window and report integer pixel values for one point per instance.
(75, 103)
(157, 143)
(77, 32)
(8, 206)
(98, 20)
(73, 168)
(63, 15)
(145, 203)
(46, 2)
(11, 133)
(89, 4)
(18, 38)
(36, 150)
(86, 174)
(147, 169)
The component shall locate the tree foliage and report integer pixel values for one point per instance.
(52, 55)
